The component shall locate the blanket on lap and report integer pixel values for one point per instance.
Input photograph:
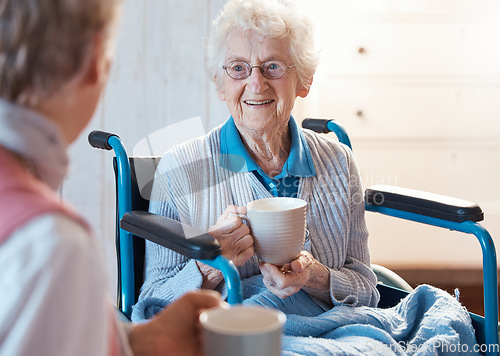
(428, 321)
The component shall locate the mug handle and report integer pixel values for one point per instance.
(242, 216)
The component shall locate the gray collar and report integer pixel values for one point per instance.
(37, 140)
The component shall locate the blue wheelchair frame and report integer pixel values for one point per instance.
(129, 220)
(488, 326)
(139, 223)
(229, 271)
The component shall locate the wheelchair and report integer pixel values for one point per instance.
(134, 224)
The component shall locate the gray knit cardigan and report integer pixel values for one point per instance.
(191, 187)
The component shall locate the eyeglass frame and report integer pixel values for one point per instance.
(261, 70)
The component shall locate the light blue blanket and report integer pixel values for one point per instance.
(428, 321)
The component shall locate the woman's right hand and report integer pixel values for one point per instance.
(176, 329)
(233, 236)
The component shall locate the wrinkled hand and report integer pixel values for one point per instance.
(303, 272)
(176, 330)
(289, 279)
(233, 236)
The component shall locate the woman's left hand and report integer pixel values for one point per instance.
(292, 277)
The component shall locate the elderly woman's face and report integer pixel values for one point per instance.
(258, 103)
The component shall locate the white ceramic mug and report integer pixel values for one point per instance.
(278, 226)
(242, 331)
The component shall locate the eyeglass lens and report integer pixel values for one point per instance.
(242, 70)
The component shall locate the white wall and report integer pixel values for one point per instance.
(427, 87)
(421, 102)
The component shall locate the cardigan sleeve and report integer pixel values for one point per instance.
(355, 283)
(336, 222)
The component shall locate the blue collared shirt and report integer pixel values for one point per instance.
(235, 157)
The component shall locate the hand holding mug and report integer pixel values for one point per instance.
(233, 236)
(242, 330)
(305, 272)
(175, 330)
(290, 278)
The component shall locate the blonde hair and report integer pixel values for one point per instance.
(43, 43)
(280, 19)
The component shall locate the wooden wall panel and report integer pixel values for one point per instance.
(421, 101)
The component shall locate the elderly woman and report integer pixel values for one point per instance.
(261, 56)
(54, 60)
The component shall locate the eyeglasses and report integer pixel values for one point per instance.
(242, 69)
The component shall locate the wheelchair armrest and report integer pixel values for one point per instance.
(171, 234)
(423, 203)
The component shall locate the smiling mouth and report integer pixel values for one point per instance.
(257, 102)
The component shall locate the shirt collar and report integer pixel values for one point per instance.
(36, 139)
(235, 157)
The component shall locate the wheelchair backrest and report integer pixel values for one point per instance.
(142, 170)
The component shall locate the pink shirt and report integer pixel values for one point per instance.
(54, 290)
(24, 197)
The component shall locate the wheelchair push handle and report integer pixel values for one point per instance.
(317, 125)
(326, 126)
(99, 139)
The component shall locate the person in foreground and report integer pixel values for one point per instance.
(261, 57)
(54, 61)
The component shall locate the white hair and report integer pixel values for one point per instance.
(280, 19)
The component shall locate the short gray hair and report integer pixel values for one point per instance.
(280, 19)
(43, 43)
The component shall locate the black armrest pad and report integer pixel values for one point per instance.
(423, 203)
(171, 234)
